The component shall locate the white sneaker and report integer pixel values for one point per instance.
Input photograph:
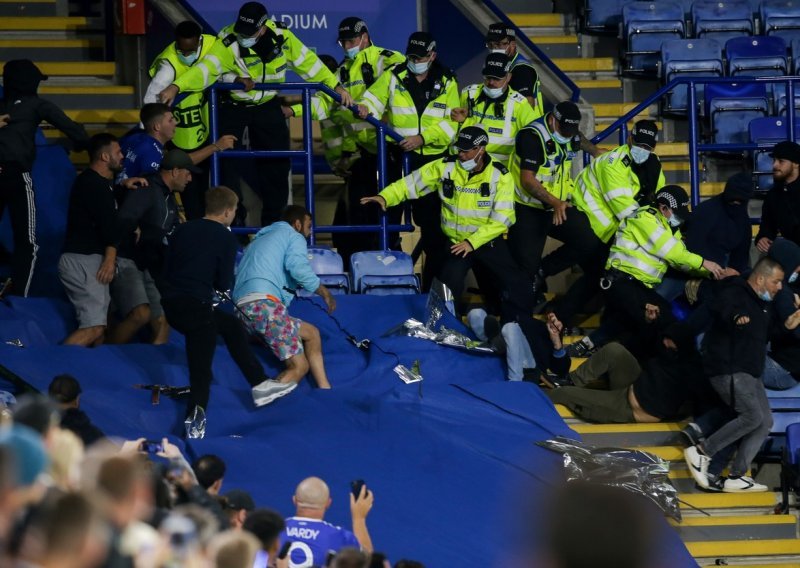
(698, 465)
(269, 390)
(742, 484)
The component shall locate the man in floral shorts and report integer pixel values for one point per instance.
(273, 266)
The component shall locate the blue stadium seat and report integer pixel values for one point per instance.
(794, 55)
(790, 465)
(730, 108)
(688, 57)
(328, 265)
(645, 26)
(780, 18)
(602, 16)
(764, 130)
(722, 20)
(383, 273)
(757, 56)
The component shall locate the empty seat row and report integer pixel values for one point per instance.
(371, 272)
(767, 130)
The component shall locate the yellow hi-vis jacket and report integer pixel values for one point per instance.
(501, 118)
(191, 113)
(606, 190)
(477, 208)
(229, 60)
(555, 174)
(645, 247)
(389, 97)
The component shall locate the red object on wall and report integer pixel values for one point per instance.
(132, 14)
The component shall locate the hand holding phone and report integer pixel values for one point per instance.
(151, 447)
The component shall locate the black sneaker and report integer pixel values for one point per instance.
(692, 434)
(552, 381)
(716, 483)
(491, 327)
(580, 348)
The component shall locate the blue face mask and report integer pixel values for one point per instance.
(560, 139)
(493, 93)
(674, 221)
(793, 278)
(469, 165)
(639, 155)
(765, 296)
(419, 67)
(352, 52)
(188, 59)
(246, 41)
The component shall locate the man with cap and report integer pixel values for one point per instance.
(256, 49)
(146, 217)
(646, 244)
(22, 112)
(416, 99)
(781, 212)
(477, 194)
(720, 231)
(502, 38)
(66, 391)
(496, 107)
(541, 165)
(237, 503)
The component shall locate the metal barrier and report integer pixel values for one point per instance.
(543, 57)
(695, 147)
(307, 153)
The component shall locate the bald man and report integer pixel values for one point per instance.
(311, 537)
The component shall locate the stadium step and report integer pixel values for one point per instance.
(89, 98)
(736, 528)
(27, 8)
(51, 49)
(36, 24)
(76, 68)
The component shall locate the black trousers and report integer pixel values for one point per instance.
(624, 318)
(513, 284)
(16, 194)
(528, 235)
(200, 323)
(581, 247)
(259, 127)
(194, 196)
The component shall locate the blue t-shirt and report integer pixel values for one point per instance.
(143, 155)
(312, 540)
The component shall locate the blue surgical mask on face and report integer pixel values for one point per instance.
(352, 52)
(560, 139)
(765, 296)
(419, 67)
(639, 155)
(246, 41)
(469, 165)
(674, 221)
(494, 93)
(793, 278)
(188, 59)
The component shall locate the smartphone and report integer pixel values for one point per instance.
(355, 487)
(151, 447)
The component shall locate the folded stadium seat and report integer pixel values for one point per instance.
(383, 273)
(328, 265)
(730, 108)
(645, 26)
(758, 56)
(601, 16)
(794, 55)
(780, 18)
(688, 57)
(770, 129)
(722, 20)
(790, 466)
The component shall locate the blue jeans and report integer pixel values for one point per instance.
(518, 351)
(671, 288)
(776, 377)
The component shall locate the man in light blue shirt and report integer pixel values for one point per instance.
(273, 266)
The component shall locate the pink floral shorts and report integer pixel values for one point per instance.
(270, 318)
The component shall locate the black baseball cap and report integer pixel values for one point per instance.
(64, 389)
(471, 137)
(497, 65)
(351, 28)
(420, 44)
(178, 159)
(21, 69)
(238, 499)
(252, 16)
(676, 198)
(499, 31)
(645, 132)
(786, 150)
(568, 116)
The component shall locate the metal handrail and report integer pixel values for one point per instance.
(695, 148)
(543, 57)
(308, 154)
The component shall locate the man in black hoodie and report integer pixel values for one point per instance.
(25, 111)
(782, 367)
(734, 351)
(781, 212)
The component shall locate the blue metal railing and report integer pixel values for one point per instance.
(307, 154)
(695, 147)
(545, 59)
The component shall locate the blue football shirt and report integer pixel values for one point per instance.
(312, 540)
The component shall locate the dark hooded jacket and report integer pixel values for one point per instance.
(26, 111)
(784, 343)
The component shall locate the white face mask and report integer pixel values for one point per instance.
(188, 59)
(639, 154)
(674, 221)
(494, 93)
(793, 278)
(419, 67)
(469, 165)
(503, 51)
(560, 139)
(246, 41)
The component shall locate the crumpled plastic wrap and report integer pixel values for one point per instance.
(637, 471)
(196, 424)
(440, 300)
(445, 336)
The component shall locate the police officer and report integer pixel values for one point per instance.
(646, 244)
(477, 195)
(191, 112)
(501, 38)
(416, 99)
(498, 108)
(254, 50)
(541, 165)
